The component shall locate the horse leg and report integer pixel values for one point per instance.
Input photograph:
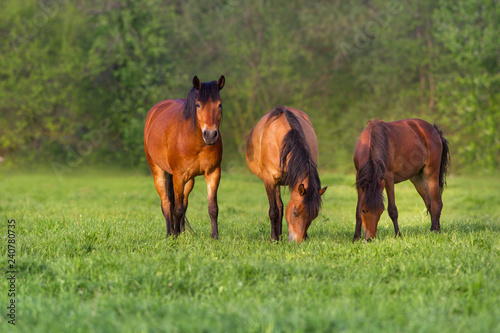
(179, 211)
(436, 202)
(357, 230)
(161, 179)
(391, 202)
(279, 204)
(187, 189)
(274, 213)
(213, 180)
(422, 189)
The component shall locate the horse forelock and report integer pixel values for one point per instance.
(208, 91)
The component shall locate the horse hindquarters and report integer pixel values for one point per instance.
(163, 185)
(436, 203)
(391, 202)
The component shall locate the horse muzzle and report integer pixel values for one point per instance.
(210, 136)
(294, 238)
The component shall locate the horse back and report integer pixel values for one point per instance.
(413, 144)
(163, 110)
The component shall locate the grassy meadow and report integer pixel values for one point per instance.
(92, 257)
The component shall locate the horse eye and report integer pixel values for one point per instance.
(363, 211)
(294, 213)
(198, 105)
(220, 105)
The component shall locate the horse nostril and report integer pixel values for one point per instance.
(210, 136)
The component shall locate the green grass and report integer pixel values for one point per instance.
(92, 257)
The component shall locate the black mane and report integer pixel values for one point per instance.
(371, 173)
(208, 91)
(296, 162)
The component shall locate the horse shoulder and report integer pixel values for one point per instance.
(263, 148)
(161, 131)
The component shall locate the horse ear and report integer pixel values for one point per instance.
(221, 81)
(302, 190)
(323, 190)
(196, 83)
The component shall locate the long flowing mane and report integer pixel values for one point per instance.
(296, 162)
(208, 91)
(372, 172)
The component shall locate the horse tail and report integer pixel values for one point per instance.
(445, 160)
(169, 185)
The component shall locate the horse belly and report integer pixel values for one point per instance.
(408, 163)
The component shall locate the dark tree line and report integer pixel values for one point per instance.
(77, 78)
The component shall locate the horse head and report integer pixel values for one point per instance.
(301, 210)
(208, 105)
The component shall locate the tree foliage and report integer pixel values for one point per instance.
(78, 78)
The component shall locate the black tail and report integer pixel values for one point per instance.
(169, 185)
(445, 160)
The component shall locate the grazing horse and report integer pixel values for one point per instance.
(282, 149)
(392, 152)
(182, 141)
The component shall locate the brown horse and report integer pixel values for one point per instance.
(389, 153)
(283, 150)
(182, 141)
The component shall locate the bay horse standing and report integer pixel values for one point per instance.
(182, 141)
(392, 152)
(282, 149)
